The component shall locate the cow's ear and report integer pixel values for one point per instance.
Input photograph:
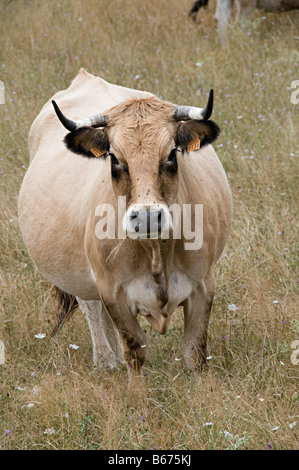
(88, 142)
(193, 135)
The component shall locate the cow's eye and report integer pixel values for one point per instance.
(118, 168)
(172, 156)
(170, 164)
(114, 160)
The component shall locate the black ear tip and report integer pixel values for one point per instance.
(215, 129)
(214, 133)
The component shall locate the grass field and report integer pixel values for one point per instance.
(50, 395)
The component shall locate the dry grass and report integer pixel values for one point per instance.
(153, 46)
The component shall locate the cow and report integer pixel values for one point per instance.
(150, 155)
(245, 8)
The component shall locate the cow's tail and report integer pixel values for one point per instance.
(196, 6)
(67, 304)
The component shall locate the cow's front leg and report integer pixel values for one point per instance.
(107, 348)
(223, 13)
(133, 339)
(197, 309)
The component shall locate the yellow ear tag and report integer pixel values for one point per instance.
(194, 145)
(97, 152)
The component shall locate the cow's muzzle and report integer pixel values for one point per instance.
(151, 221)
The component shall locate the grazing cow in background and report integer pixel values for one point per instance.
(245, 8)
(152, 156)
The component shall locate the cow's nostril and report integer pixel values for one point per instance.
(134, 215)
(159, 219)
(146, 221)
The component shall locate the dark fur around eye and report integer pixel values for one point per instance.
(114, 160)
(170, 165)
(117, 168)
(172, 156)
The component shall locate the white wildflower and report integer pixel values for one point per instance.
(232, 307)
(35, 390)
(291, 425)
(74, 346)
(40, 335)
(276, 428)
(49, 431)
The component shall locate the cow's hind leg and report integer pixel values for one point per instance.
(245, 9)
(66, 306)
(107, 348)
(197, 309)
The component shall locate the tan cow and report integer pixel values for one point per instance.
(245, 8)
(153, 157)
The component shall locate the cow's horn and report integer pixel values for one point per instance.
(184, 113)
(98, 120)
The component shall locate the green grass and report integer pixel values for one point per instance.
(251, 385)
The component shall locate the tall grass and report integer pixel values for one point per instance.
(50, 395)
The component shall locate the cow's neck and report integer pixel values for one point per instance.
(159, 273)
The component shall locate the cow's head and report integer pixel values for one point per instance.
(145, 140)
